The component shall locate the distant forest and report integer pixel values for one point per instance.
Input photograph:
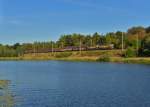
(136, 38)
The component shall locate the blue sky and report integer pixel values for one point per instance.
(43, 20)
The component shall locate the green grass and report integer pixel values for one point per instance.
(98, 55)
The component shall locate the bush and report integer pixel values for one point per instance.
(104, 58)
(130, 52)
(146, 52)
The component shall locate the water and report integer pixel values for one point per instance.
(77, 84)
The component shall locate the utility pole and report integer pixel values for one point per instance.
(122, 42)
(91, 42)
(34, 50)
(62, 45)
(52, 47)
(80, 46)
(137, 44)
(43, 45)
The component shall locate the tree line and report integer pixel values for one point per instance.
(135, 39)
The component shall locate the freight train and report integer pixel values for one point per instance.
(71, 48)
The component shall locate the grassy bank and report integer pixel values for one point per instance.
(99, 55)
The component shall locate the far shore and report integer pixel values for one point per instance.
(86, 56)
(135, 60)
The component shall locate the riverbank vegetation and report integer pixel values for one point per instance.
(94, 56)
(6, 99)
(112, 46)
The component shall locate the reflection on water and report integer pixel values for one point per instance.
(6, 99)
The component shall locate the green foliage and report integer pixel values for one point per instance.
(145, 48)
(147, 42)
(7, 52)
(146, 52)
(136, 30)
(130, 52)
(63, 54)
(91, 40)
(104, 58)
(148, 29)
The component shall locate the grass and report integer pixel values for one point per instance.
(98, 55)
(141, 60)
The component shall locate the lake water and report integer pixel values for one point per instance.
(77, 84)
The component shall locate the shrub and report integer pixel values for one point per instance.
(146, 52)
(130, 52)
(104, 58)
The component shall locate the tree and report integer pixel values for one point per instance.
(88, 40)
(135, 35)
(145, 50)
(111, 38)
(96, 39)
(16, 45)
(147, 29)
(140, 31)
(118, 43)
(146, 42)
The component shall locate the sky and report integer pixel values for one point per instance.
(45, 20)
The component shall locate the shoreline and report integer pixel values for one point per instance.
(135, 60)
(114, 56)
